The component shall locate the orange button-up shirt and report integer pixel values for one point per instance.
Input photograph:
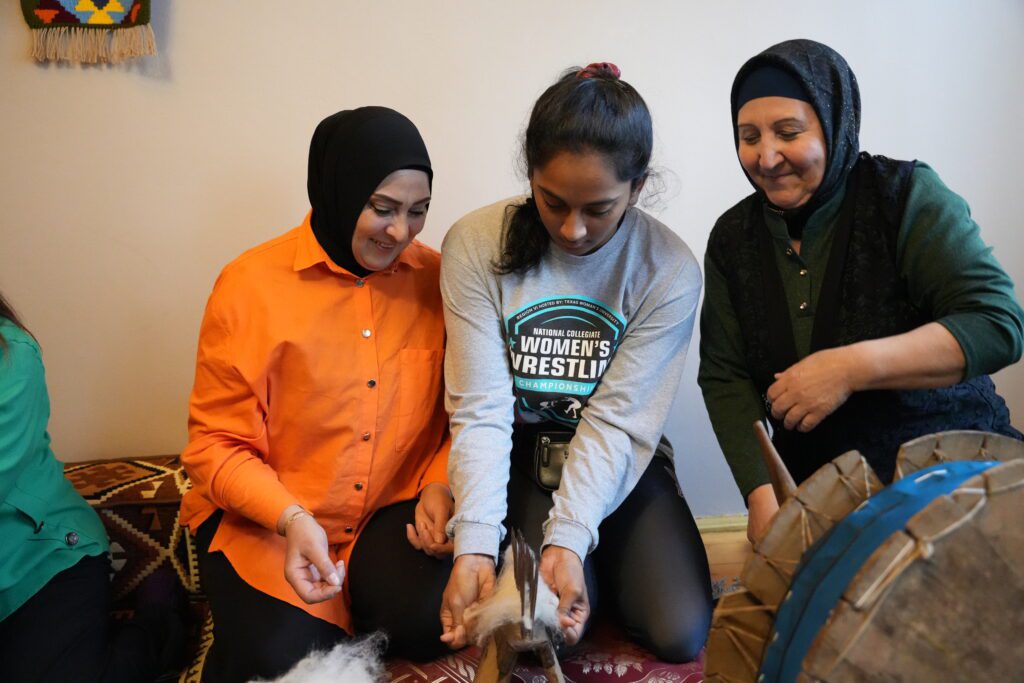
(318, 388)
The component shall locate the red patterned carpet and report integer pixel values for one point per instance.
(604, 657)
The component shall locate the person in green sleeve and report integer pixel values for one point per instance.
(54, 569)
(850, 300)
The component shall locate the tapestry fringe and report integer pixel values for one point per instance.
(92, 45)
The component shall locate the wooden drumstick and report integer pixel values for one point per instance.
(782, 480)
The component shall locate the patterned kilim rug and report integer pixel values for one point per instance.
(89, 31)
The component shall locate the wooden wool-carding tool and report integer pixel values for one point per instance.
(509, 623)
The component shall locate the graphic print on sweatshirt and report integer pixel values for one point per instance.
(559, 348)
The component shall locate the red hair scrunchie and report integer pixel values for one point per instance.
(600, 69)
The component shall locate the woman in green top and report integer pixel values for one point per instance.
(54, 569)
(850, 300)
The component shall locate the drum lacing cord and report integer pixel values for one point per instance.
(785, 567)
(782, 567)
(754, 663)
(847, 481)
(1003, 489)
(919, 548)
(805, 525)
(938, 457)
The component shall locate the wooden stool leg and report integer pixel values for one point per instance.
(497, 661)
(548, 659)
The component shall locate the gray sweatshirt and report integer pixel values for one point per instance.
(592, 343)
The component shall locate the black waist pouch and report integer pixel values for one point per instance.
(542, 453)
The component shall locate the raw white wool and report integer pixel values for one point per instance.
(504, 606)
(348, 662)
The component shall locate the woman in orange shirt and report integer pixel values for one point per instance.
(318, 440)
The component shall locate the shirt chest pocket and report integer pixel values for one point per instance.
(419, 393)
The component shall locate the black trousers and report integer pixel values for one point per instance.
(650, 569)
(63, 633)
(394, 588)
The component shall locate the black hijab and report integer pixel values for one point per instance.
(351, 153)
(832, 91)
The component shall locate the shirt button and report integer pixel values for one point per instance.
(360, 282)
(366, 333)
(803, 272)
(371, 383)
(359, 486)
(803, 305)
(348, 530)
(71, 538)
(366, 436)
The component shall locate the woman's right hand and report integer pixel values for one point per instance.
(761, 507)
(307, 564)
(471, 580)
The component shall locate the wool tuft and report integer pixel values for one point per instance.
(351, 662)
(504, 606)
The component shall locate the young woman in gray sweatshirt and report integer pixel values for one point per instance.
(569, 313)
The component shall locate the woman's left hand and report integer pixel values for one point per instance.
(433, 511)
(562, 570)
(812, 389)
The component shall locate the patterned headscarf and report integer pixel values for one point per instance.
(831, 90)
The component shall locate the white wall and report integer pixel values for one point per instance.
(124, 190)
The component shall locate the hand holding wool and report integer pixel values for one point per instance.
(562, 570)
(307, 566)
(471, 580)
(504, 606)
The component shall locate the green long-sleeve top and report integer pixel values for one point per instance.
(45, 526)
(949, 271)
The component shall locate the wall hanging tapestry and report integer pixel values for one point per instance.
(89, 31)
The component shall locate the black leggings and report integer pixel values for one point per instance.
(63, 633)
(650, 565)
(394, 588)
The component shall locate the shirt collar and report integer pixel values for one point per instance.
(824, 217)
(309, 253)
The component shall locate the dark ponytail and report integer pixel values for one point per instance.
(586, 110)
(7, 312)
